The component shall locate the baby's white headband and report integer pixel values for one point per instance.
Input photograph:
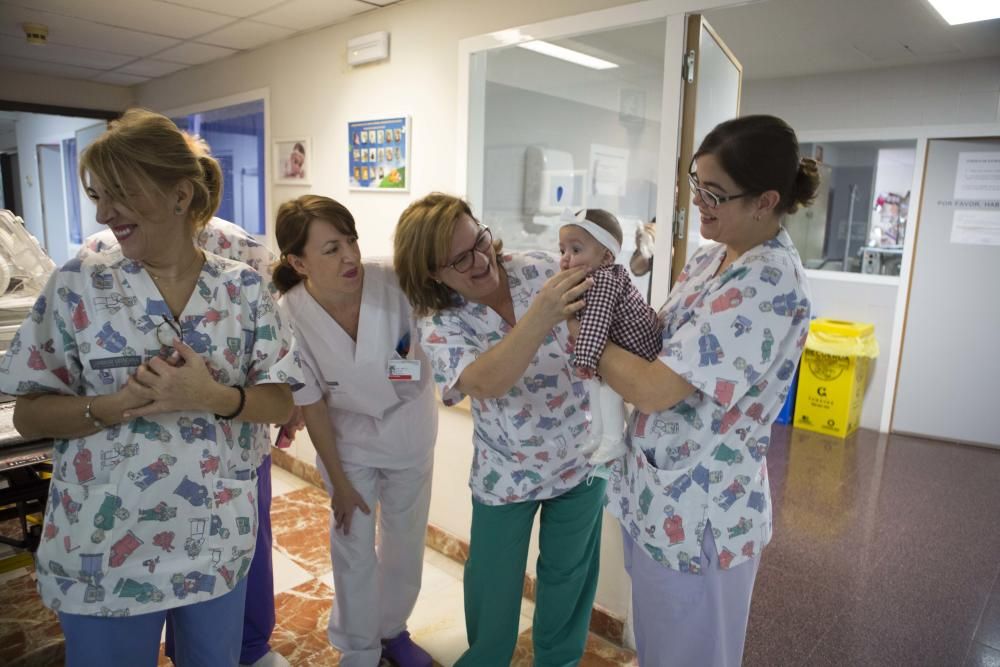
(602, 235)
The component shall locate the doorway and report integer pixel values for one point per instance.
(52, 196)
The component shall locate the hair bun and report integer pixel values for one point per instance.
(806, 184)
(208, 166)
(199, 147)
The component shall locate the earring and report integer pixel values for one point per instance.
(178, 210)
(756, 218)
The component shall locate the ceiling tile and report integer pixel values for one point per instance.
(151, 68)
(67, 55)
(70, 31)
(802, 37)
(882, 50)
(120, 79)
(51, 69)
(245, 35)
(191, 53)
(311, 14)
(237, 8)
(158, 18)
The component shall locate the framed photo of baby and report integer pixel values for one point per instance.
(292, 162)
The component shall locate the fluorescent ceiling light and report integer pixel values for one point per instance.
(568, 55)
(966, 11)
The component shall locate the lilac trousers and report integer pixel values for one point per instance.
(687, 619)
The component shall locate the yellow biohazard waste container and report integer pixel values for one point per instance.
(833, 376)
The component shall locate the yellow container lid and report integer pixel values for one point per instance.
(842, 338)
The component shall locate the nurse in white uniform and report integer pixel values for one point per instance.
(369, 409)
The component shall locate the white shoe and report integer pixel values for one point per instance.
(271, 659)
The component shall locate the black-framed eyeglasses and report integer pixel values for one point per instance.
(711, 199)
(483, 245)
(167, 331)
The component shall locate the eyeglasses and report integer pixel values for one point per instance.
(167, 331)
(711, 199)
(483, 245)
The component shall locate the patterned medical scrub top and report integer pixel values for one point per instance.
(736, 337)
(528, 441)
(160, 511)
(219, 237)
(225, 239)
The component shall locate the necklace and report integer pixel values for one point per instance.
(183, 274)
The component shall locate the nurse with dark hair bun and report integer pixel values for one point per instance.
(692, 493)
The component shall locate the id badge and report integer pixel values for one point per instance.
(404, 370)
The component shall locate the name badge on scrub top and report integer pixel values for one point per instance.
(404, 370)
(400, 368)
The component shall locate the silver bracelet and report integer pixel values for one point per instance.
(89, 416)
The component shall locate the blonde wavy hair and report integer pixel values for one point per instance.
(421, 247)
(146, 150)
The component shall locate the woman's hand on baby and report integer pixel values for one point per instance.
(560, 296)
(180, 383)
(573, 324)
(343, 503)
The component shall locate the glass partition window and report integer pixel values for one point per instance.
(236, 136)
(858, 221)
(564, 131)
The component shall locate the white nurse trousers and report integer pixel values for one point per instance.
(376, 584)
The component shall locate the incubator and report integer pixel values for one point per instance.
(24, 270)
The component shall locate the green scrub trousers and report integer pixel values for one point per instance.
(568, 563)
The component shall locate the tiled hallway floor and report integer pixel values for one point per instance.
(886, 552)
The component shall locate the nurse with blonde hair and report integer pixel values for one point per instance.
(369, 409)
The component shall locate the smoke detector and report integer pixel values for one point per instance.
(36, 33)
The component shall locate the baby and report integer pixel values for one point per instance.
(615, 311)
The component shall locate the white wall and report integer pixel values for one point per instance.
(945, 94)
(921, 99)
(40, 89)
(33, 129)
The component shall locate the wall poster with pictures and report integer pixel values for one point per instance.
(379, 154)
(292, 162)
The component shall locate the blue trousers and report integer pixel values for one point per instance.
(258, 616)
(208, 635)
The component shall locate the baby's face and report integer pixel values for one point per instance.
(579, 248)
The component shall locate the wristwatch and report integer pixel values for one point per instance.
(89, 416)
